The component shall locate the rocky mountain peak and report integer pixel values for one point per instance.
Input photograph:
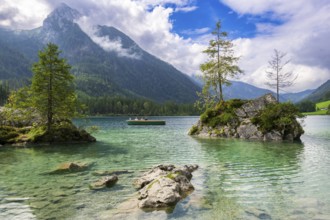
(62, 14)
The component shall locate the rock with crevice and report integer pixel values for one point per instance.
(164, 185)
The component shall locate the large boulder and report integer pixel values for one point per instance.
(252, 108)
(164, 185)
(241, 119)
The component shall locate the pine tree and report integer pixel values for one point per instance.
(52, 90)
(221, 64)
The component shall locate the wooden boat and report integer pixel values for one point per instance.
(146, 122)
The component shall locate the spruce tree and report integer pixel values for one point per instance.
(52, 89)
(221, 64)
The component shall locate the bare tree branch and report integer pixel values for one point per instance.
(275, 72)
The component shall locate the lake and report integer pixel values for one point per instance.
(236, 179)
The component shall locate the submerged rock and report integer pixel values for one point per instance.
(259, 214)
(164, 185)
(70, 167)
(108, 181)
(109, 173)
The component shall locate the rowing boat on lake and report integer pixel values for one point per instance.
(146, 122)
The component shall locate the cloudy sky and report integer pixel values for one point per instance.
(178, 30)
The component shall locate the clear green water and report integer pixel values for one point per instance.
(236, 179)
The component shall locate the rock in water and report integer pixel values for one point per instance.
(164, 185)
(70, 167)
(108, 181)
(242, 119)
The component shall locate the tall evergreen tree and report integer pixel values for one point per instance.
(221, 64)
(52, 90)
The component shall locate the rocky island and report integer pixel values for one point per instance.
(19, 130)
(260, 119)
(42, 111)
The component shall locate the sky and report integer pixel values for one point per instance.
(177, 31)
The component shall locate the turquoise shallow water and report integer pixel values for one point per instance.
(236, 179)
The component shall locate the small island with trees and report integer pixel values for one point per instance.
(264, 118)
(42, 112)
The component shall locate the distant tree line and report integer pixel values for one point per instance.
(8, 85)
(306, 106)
(112, 105)
(4, 92)
(108, 105)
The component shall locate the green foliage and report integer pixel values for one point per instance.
(209, 113)
(7, 134)
(4, 92)
(116, 105)
(323, 105)
(222, 114)
(52, 90)
(36, 132)
(221, 64)
(321, 94)
(193, 130)
(328, 112)
(306, 106)
(280, 117)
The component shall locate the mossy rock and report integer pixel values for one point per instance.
(193, 130)
(8, 134)
(62, 132)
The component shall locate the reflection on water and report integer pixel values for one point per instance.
(236, 180)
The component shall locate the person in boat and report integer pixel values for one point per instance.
(136, 119)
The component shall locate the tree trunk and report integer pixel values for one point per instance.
(50, 103)
(277, 80)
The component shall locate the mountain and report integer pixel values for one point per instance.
(322, 93)
(237, 89)
(242, 90)
(107, 63)
(297, 97)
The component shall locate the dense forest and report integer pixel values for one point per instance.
(112, 105)
(108, 105)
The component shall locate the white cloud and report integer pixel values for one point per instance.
(22, 14)
(303, 31)
(198, 31)
(110, 45)
(150, 28)
(303, 34)
(186, 9)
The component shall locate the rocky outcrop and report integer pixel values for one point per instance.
(164, 185)
(107, 181)
(243, 123)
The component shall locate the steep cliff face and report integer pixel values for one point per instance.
(259, 119)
